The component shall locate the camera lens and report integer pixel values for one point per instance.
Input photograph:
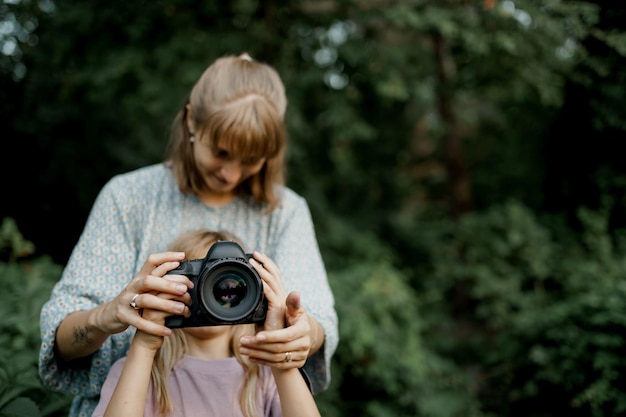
(229, 290)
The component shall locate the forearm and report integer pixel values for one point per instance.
(130, 395)
(295, 397)
(77, 336)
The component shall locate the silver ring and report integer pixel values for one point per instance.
(287, 357)
(133, 304)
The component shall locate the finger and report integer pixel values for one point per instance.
(293, 303)
(151, 283)
(168, 303)
(180, 279)
(283, 360)
(150, 327)
(260, 269)
(157, 259)
(294, 307)
(275, 339)
(271, 278)
(155, 316)
(266, 262)
(277, 355)
(162, 269)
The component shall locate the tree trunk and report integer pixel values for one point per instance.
(458, 180)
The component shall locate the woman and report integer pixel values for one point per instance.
(224, 170)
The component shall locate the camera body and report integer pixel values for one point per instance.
(227, 289)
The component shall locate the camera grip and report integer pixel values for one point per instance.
(174, 322)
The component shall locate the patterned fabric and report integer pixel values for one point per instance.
(140, 213)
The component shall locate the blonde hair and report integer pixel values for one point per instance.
(196, 244)
(238, 103)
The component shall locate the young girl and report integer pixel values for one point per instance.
(198, 371)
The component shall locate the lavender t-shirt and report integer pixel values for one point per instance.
(200, 387)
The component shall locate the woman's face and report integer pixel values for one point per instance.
(222, 171)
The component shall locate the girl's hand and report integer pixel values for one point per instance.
(274, 291)
(157, 317)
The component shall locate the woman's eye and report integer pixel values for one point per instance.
(222, 154)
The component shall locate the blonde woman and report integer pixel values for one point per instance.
(198, 371)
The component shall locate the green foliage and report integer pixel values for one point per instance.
(508, 312)
(27, 284)
(12, 243)
(536, 312)
(382, 355)
(381, 346)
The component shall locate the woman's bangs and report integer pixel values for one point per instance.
(250, 133)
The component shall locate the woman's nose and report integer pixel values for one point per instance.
(231, 171)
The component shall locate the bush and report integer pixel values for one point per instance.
(27, 284)
(534, 311)
(382, 366)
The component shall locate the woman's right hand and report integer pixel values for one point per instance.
(116, 315)
(152, 341)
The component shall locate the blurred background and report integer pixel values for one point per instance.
(462, 159)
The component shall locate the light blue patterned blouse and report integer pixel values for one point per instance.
(140, 213)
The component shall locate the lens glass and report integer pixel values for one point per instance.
(229, 290)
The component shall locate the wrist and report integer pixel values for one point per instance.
(146, 344)
(93, 323)
(96, 318)
(317, 334)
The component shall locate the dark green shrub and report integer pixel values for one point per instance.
(26, 286)
(534, 311)
(382, 366)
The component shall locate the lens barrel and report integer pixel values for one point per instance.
(229, 290)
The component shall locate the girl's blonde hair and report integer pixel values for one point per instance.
(238, 103)
(196, 244)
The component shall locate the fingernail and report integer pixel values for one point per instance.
(181, 288)
(244, 340)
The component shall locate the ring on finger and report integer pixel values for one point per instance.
(133, 302)
(287, 357)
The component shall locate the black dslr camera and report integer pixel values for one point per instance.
(227, 289)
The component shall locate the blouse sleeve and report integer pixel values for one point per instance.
(298, 256)
(109, 387)
(101, 264)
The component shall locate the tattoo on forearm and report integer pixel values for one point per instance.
(81, 336)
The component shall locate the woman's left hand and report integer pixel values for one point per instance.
(282, 348)
(285, 342)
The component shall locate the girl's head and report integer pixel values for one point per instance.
(196, 244)
(233, 121)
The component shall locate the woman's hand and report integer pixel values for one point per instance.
(286, 339)
(151, 341)
(143, 290)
